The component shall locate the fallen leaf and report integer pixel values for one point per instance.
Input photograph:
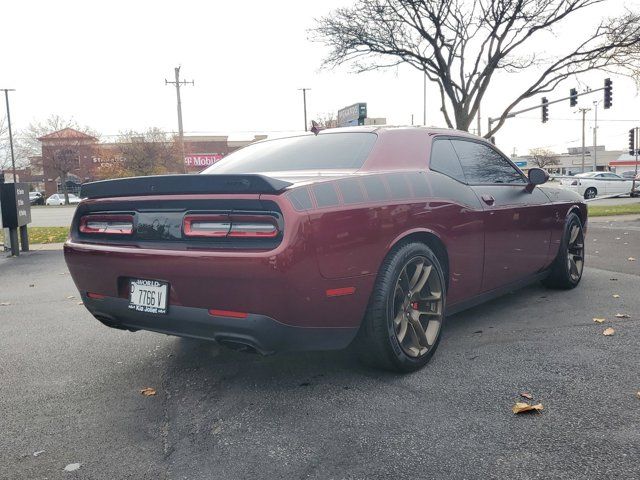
(38, 453)
(80, 303)
(4, 304)
(31, 285)
(62, 273)
(599, 320)
(617, 238)
(615, 295)
(70, 297)
(626, 233)
(622, 315)
(148, 391)
(608, 332)
(613, 279)
(72, 467)
(526, 395)
(522, 407)
(631, 259)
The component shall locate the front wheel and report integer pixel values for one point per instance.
(402, 326)
(590, 193)
(566, 271)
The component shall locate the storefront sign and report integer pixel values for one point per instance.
(202, 160)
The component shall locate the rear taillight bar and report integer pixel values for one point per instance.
(237, 226)
(206, 225)
(120, 224)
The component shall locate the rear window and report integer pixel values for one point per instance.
(330, 151)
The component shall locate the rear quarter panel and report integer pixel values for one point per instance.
(355, 222)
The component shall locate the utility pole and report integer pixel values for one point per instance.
(595, 137)
(304, 106)
(13, 159)
(584, 119)
(178, 83)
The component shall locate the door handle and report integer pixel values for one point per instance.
(488, 199)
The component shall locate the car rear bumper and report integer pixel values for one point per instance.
(285, 303)
(259, 332)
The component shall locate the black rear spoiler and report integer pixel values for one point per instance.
(179, 184)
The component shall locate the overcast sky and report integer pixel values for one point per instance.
(104, 64)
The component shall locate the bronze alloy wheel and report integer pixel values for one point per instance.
(575, 252)
(417, 307)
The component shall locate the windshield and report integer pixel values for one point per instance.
(330, 151)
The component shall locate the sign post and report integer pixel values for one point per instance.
(16, 214)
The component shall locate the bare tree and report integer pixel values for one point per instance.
(5, 151)
(542, 157)
(141, 153)
(27, 142)
(327, 120)
(65, 158)
(462, 44)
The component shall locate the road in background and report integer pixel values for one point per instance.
(71, 390)
(46, 216)
(608, 202)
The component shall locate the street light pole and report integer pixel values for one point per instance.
(304, 105)
(13, 159)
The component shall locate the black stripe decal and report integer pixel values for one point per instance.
(326, 195)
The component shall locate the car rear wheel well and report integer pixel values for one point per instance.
(435, 244)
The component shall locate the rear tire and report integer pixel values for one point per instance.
(590, 193)
(566, 270)
(403, 323)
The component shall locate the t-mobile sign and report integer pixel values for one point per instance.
(202, 160)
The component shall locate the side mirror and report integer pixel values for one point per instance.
(537, 176)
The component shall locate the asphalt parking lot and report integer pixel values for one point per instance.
(71, 391)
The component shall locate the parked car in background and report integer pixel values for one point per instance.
(592, 184)
(36, 198)
(630, 174)
(365, 236)
(58, 199)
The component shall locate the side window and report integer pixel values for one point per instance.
(482, 164)
(445, 160)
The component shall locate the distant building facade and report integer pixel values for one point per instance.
(84, 155)
(570, 163)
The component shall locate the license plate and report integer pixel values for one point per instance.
(149, 296)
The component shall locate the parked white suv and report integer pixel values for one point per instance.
(592, 184)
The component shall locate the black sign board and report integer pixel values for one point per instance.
(16, 209)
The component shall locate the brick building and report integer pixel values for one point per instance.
(83, 155)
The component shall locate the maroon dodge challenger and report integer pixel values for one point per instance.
(363, 236)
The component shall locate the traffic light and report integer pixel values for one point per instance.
(545, 110)
(632, 141)
(608, 93)
(573, 97)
